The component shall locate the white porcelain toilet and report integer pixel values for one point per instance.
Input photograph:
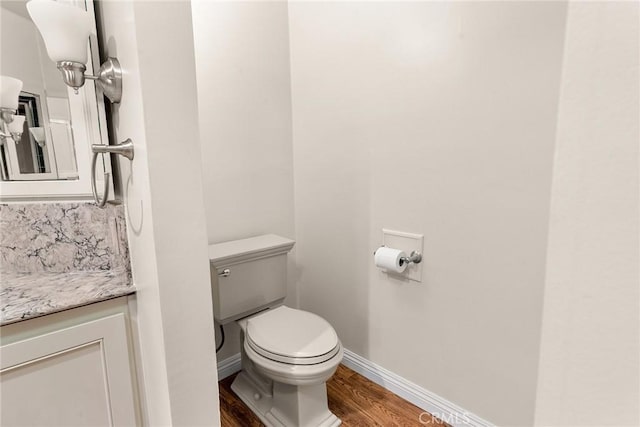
(287, 354)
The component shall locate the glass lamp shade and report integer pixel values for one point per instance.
(65, 29)
(16, 126)
(10, 89)
(38, 134)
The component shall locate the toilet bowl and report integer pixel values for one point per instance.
(287, 357)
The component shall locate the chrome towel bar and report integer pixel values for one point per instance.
(124, 149)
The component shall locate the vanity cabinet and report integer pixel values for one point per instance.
(74, 368)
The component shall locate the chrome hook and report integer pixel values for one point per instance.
(124, 149)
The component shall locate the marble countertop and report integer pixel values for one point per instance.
(27, 295)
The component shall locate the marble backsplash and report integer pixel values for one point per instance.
(62, 237)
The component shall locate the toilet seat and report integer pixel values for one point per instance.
(291, 336)
(293, 360)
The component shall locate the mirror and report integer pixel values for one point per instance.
(51, 159)
(45, 150)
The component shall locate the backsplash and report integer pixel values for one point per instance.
(62, 237)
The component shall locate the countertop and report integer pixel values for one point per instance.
(27, 295)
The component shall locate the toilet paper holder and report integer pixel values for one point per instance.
(414, 257)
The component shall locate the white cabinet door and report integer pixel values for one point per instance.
(76, 376)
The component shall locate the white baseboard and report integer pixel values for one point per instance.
(228, 366)
(423, 399)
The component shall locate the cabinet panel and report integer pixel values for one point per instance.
(76, 376)
(66, 398)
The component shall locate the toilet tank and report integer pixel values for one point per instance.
(248, 275)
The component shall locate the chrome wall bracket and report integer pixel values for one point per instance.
(415, 258)
(109, 77)
(15, 136)
(124, 149)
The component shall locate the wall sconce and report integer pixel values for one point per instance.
(38, 134)
(12, 123)
(65, 30)
(15, 128)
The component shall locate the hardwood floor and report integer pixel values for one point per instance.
(356, 400)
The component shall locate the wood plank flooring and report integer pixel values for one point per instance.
(354, 399)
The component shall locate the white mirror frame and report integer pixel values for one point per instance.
(89, 127)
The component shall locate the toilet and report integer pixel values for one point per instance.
(287, 354)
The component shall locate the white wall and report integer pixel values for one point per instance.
(439, 119)
(590, 353)
(166, 226)
(244, 105)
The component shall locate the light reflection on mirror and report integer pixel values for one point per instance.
(46, 148)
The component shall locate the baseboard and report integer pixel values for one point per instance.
(228, 366)
(424, 399)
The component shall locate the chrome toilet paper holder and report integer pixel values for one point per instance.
(414, 257)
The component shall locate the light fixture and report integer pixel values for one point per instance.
(11, 123)
(65, 30)
(13, 129)
(16, 127)
(38, 135)
(9, 92)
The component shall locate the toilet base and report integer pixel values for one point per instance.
(288, 405)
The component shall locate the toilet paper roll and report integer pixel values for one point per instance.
(390, 259)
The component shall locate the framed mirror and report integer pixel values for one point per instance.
(51, 159)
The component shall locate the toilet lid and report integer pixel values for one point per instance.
(292, 336)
